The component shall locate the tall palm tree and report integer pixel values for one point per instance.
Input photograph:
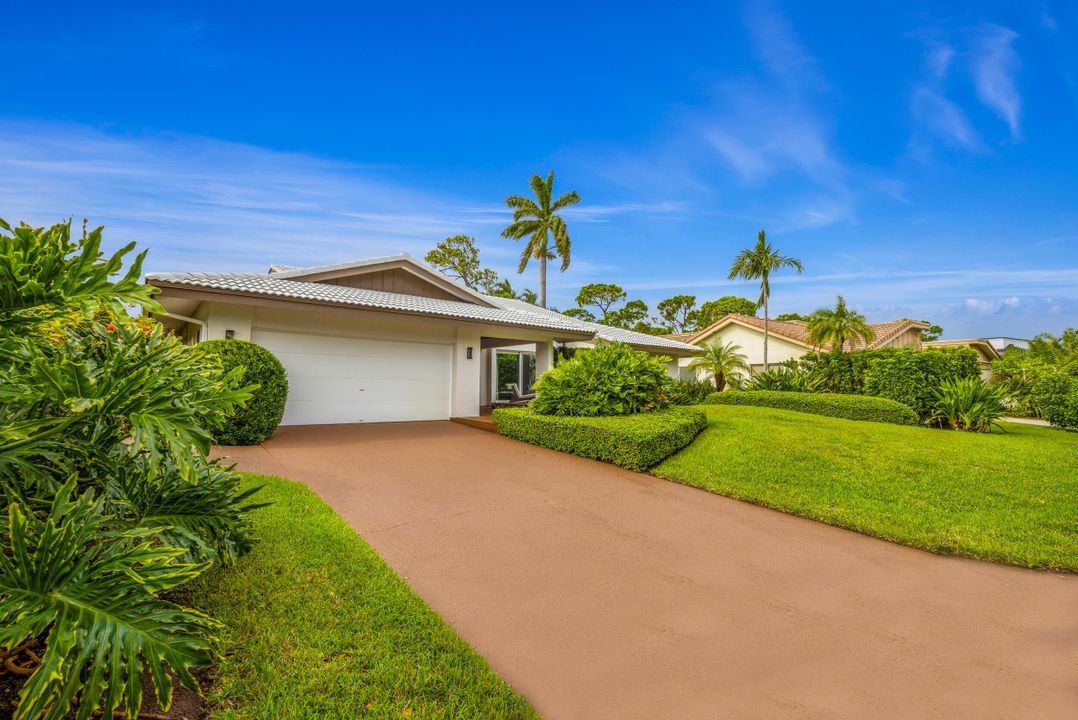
(758, 263)
(838, 326)
(722, 361)
(538, 221)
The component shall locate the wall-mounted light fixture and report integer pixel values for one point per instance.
(230, 334)
(468, 353)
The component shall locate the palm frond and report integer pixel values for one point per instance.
(567, 199)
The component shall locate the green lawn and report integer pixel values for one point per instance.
(320, 627)
(1009, 497)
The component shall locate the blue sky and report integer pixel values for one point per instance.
(920, 158)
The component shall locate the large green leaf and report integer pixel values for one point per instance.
(94, 593)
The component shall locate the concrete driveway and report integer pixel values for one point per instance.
(601, 593)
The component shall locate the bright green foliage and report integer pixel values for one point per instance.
(677, 312)
(912, 376)
(714, 310)
(326, 627)
(840, 372)
(605, 380)
(932, 333)
(968, 404)
(785, 379)
(1007, 497)
(757, 263)
(94, 591)
(602, 296)
(635, 442)
(259, 418)
(45, 275)
(793, 316)
(458, 257)
(837, 326)
(722, 361)
(690, 392)
(1043, 382)
(849, 407)
(538, 220)
(108, 497)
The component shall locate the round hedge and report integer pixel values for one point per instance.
(256, 421)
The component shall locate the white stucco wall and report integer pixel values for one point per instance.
(752, 347)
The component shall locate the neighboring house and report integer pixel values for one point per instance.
(788, 339)
(986, 352)
(379, 340)
(1002, 343)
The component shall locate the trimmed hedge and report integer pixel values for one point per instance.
(636, 442)
(849, 407)
(259, 419)
(912, 377)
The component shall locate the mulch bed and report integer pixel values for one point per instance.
(186, 704)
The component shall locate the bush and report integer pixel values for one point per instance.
(912, 376)
(1054, 395)
(850, 407)
(783, 379)
(109, 501)
(605, 380)
(636, 442)
(256, 421)
(968, 404)
(906, 375)
(690, 392)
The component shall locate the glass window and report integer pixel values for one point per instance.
(513, 367)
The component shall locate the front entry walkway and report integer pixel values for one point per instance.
(598, 592)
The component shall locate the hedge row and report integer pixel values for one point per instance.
(850, 407)
(636, 442)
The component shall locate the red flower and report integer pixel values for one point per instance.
(110, 327)
(145, 329)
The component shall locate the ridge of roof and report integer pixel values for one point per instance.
(498, 310)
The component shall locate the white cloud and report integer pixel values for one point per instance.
(201, 203)
(933, 111)
(994, 64)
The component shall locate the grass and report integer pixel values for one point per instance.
(1008, 497)
(320, 627)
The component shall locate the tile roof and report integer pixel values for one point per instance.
(797, 330)
(504, 311)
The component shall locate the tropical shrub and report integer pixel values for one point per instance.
(690, 392)
(259, 418)
(850, 407)
(912, 376)
(1042, 382)
(605, 380)
(636, 442)
(968, 404)
(783, 379)
(1054, 396)
(109, 499)
(724, 362)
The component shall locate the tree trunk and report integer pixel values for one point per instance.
(542, 279)
(720, 381)
(765, 333)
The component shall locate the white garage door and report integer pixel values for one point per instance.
(345, 380)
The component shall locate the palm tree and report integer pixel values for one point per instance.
(538, 220)
(722, 361)
(838, 326)
(757, 264)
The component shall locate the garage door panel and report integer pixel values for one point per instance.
(345, 380)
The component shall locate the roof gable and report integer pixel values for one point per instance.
(401, 274)
(796, 331)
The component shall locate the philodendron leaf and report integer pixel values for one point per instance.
(95, 593)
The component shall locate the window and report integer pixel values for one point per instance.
(513, 367)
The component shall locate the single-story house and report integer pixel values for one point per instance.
(986, 352)
(788, 339)
(1002, 343)
(384, 339)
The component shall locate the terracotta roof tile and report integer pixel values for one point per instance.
(797, 330)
